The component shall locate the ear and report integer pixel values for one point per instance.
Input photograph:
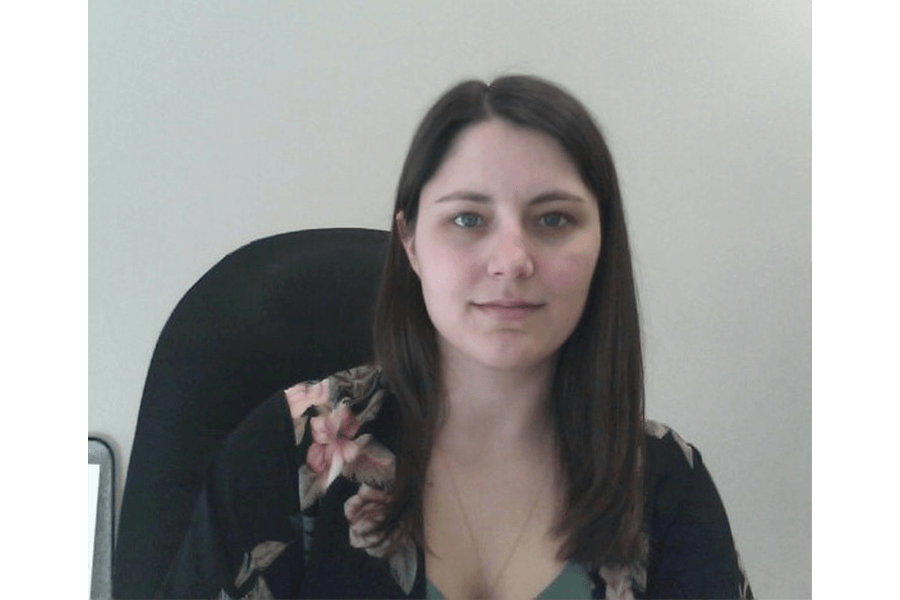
(408, 239)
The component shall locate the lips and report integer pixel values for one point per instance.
(508, 310)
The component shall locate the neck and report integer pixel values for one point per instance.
(491, 412)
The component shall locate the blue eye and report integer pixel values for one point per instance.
(554, 220)
(468, 220)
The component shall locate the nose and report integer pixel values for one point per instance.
(510, 257)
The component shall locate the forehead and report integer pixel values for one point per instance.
(496, 156)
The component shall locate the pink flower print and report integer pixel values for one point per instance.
(300, 398)
(364, 512)
(333, 445)
(334, 451)
(304, 395)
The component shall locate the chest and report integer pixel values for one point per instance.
(489, 530)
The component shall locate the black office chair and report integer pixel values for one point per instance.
(283, 309)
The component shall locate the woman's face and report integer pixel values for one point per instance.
(505, 245)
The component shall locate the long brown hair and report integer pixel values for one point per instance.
(597, 392)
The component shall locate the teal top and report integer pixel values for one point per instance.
(572, 582)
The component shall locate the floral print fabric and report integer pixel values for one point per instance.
(337, 408)
(341, 478)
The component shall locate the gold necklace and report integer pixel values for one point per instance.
(471, 532)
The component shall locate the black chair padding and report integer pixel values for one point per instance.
(283, 309)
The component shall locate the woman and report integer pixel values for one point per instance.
(498, 447)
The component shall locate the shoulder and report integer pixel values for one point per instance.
(692, 551)
(358, 388)
(667, 453)
(663, 438)
(673, 468)
(356, 392)
(277, 425)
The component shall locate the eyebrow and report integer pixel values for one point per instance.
(549, 196)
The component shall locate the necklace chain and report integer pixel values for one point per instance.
(471, 532)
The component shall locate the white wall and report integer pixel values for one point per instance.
(214, 123)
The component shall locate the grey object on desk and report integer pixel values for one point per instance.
(100, 577)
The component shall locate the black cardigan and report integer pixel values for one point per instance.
(280, 514)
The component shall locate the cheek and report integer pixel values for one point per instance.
(571, 273)
(445, 269)
(441, 287)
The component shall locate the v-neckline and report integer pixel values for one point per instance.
(571, 577)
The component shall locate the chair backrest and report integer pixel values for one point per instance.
(283, 309)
